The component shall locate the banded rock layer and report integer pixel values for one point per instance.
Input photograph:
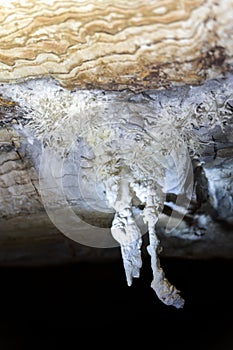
(113, 45)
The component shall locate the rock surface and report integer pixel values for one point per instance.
(116, 45)
(141, 62)
(29, 237)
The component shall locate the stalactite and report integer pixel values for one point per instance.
(135, 153)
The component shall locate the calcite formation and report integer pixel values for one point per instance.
(58, 62)
(134, 155)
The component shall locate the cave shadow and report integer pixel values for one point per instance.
(93, 298)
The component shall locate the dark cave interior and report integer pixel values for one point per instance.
(49, 306)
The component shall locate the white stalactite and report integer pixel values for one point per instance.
(139, 149)
(124, 228)
(166, 292)
(126, 232)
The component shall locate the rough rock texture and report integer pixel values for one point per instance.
(110, 44)
(86, 59)
(28, 236)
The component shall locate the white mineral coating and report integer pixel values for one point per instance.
(131, 150)
(167, 293)
(126, 232)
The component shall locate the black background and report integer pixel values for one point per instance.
(91, 302)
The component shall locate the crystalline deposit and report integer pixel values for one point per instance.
(135, 152)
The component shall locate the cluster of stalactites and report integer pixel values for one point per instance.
(127, 233)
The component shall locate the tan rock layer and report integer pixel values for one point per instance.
(115, 44)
